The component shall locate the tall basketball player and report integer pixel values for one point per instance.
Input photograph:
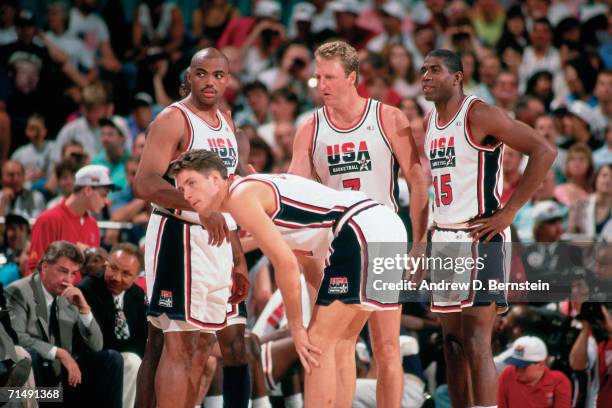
(189, 269)
(360, 144)
(465, 138)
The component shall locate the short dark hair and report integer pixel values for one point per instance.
(65, 166)
(130, 249)
(254, 86)
(451, 61)
(200, 160)
(58, 249)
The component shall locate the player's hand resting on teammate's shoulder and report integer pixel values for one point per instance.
(217, 228)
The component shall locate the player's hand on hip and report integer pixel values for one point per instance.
(240, 283)
(305, 349)
(217, 228)
(487, 228)
(416, 271)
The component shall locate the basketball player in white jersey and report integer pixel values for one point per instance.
(190, 262)
(360, 144)
(351, 223)
(464, 142)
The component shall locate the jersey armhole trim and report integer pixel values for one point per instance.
(277, 197)
(313, 144)
(468, 134)
(189, 139)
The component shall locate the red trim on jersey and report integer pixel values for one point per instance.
(480, 186)
(352, 127)
(276, 193)
(468, 133)
(427, 119)
(162, 224)
(310, 207)
(189, 140)
(213, 127)
(499, 170)
(388, 143)
(454, 116)
(294, 225)
(312, 138)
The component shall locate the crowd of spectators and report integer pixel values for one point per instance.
(81, 80)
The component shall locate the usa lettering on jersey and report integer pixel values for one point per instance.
(442, 153)
(344, 158)
(225, 149)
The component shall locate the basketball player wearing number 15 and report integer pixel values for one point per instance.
(360, 144)
(464, 142)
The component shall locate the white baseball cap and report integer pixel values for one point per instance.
(394, 9)
(94, 175)
(545, 211)
(267, 8)
(345, 6)
(527, 350)
(304, 12)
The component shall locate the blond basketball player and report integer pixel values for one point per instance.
(354, 143)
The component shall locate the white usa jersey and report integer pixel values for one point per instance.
(218, 138)
(357, 158)
(467, 176)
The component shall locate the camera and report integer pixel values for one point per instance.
(268, 35)
(297, 65)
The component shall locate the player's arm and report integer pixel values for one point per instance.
(301, 162)
(163, 140)
(245, 205)
(397, 129)
(240, 273)
(486, 120)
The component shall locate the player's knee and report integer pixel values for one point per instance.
(477, 345)
(453, 345)
(179, 347)
(234, 353)
(387, 351)
(323, 341)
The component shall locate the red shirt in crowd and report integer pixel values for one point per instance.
(604, 397)
(553, 390)
(61, 223)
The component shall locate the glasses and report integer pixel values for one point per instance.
(102, 191)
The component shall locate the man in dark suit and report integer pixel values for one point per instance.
(119, 308)
(54, 322)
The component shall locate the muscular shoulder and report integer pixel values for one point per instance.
(305, 130)
(392, 119)
(482, 113)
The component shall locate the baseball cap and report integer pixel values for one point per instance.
(94, 175)
(142, 99)
(267, 8)
(110, 122)
(25, 18)
(345, 6)
(546, 211)
(527, 350)
(394, 9)
(304, 12)
(582, 110)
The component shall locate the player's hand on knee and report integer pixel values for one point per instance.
(217, 228)
(307, 351)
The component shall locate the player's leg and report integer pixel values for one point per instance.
(208, 379)
(177, 380)
(327, 326)
(236, 378)
(345, 361)
(384, 334)
(477, 323)
(457, 371)
(145, 382)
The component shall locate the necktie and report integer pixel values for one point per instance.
(54, 332)
(122, 331)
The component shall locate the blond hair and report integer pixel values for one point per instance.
(343, 51)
